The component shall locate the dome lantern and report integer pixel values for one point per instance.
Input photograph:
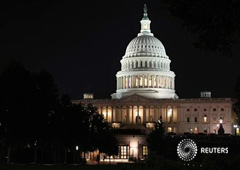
(145, 23)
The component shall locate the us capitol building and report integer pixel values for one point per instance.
(146, 94)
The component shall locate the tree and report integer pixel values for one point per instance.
(156, 139)
(27, 102)
(101, 135)
(236, 106)
(216, 23)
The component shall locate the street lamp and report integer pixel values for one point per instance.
(220, 120)
(235, 129)
(221, 129)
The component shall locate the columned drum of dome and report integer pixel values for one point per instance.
(145, 67)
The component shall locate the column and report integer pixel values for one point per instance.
(166, 117)
(168, 82)
(121, 117)
(149, 113)
(111, 109)
(127, 114)
(160, 113)
(132, 115)
(138, 81)
(143, 77)
(155, 113)
(113, 114)
(134, 81)
(144, 114)
(160, 81)
(131, 81)
(137, 114)
(121, 86)
(157, 83)
(147, 80)
(107, 113)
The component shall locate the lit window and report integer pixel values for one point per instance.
(169, 129)
(150, 126)
(116, 125)
(205, 118)
(124, 152)
(195, 130)
(237, 131)
(145, 151)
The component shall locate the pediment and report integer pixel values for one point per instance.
(135, 99)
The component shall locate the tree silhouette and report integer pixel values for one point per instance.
(216, 23)
(156, 139)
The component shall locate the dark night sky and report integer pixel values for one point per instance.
(81, 45)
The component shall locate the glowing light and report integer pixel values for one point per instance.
(221, 121)
(205, 118)
(169, 112)
(76, 148)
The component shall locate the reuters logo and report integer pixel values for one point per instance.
(187, 149)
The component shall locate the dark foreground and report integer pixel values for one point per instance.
(70, 167)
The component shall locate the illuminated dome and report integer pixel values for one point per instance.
(145, 45)
(145, 67)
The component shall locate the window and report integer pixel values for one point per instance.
(195, 130)
(124, 152)
(115, 125)
(188, 110)
(205, 118)
(214, 109)
(195, 110)
(195, 119)
(169, 129)
(205, 109)
(188, 119)
(222, 109)
(145, 151)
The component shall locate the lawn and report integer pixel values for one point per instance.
(70, 167)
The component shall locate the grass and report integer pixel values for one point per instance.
(70, 167)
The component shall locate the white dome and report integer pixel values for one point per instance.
(145, 45)
(145, 67)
